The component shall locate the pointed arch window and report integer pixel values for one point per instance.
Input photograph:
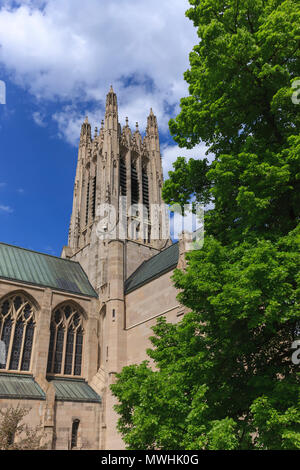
(17, 326)
(66, 341)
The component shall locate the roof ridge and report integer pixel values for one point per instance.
(38, 252)
(32, 267)
(146, 261)
(149, 269)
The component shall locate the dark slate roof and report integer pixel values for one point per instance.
(31, 267)
(154, 267)
(68, 389)
(20, 386)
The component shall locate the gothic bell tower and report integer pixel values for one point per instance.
(118, 221)
(118, 168)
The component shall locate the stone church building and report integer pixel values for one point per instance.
(69, 324)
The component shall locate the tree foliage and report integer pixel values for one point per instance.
(223, 376)
(16, 435)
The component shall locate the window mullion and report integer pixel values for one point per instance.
(1, 326)
(11, 342)
(22, 346)
(32, 347)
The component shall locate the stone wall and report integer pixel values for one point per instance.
(143, 306)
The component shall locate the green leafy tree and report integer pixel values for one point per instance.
(223, 376)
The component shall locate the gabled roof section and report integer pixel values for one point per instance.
(20, 386)
(31, 267)
(68, 389)
(154, 267)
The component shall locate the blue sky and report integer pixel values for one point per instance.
(57, 64)
(36, 179)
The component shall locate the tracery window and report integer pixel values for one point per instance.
(17, 324)
(66, 341)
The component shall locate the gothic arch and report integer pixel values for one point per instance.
(18, 313)
(74, 304)
(66, 339)
(24, 293)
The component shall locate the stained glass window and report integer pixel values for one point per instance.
(66, 341)
(17, 325)
(78, 353)
(17, 344)
(59, 349)
(27, 346)
(69, 351)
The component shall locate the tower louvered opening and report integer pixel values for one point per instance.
(146, 204)
(123, 185)
(87, 203)
(145, 190)
(134, 186)
(94, 197)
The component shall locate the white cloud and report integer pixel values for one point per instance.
(171, 152)
(69, 122)
(6, 209)
(38, 118)
(2, 185)
(69, 50)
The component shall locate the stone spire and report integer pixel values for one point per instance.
(152, 128)
(111, 111)
(86, 133)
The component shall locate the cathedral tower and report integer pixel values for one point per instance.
(118, 221)
(117, 189)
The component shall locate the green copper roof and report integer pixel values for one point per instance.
(20, 386)
(153, 267)
(68, 389)
(31, 267)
